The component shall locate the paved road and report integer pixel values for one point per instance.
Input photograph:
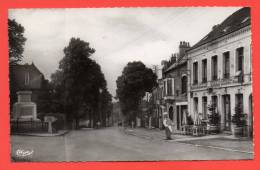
(111, 144)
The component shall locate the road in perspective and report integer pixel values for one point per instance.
(113, 144)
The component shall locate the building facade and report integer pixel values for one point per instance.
(157, 99)
(175, 84)
(221, 70)
(28, 77)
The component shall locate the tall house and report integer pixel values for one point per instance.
(175, 85)
(221, 70)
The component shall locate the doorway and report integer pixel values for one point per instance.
(227, 112)
(181, 110)
(171, 113)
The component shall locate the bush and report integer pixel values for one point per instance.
(239, 119)
(189, 120)
(214, 117)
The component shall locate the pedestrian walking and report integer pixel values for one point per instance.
(167, 122)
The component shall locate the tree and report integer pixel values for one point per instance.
(136, 79)
(214, 117)
(239, 118)
(16, 41)
(57, 92)
(106, 106)
(79, 81)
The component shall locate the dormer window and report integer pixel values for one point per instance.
(226, 29)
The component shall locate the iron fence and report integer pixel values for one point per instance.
(28, 126)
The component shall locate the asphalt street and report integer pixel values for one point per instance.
(112, 144)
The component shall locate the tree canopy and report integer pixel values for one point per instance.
(136, 79)
(16, 41)
(79, 81)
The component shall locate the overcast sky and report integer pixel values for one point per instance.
(119, 35)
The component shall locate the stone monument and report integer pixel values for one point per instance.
(24, 109)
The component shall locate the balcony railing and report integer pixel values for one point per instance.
(220, 82)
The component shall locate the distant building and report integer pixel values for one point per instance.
(117, 115)
(157, 98)
(175, 82)
(221, 69)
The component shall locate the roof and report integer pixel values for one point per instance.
(26, 67)
(234, 22)
(179, 62)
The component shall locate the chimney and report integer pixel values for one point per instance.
(173, 58)
(164, 63)
(183, 47)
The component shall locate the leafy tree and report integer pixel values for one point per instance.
(57, 92)
(16, 41)
(136, 79)
(106, 106)
(79, 81)
(44, 97)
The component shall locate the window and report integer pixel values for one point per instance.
(27, 78)
(226, 65)
(195, 73)
(169, 87)
(214, 66)
(239, 100)
(184, 84)
(195, 104)
(164, 88)
(214, 100)
(204, 70)
(239, 63)
(240, 57)
(204, 107)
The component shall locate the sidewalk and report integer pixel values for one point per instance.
(218, 141)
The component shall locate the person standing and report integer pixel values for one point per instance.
(167, 122)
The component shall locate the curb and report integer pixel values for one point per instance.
(43, 134)
(183, 141)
